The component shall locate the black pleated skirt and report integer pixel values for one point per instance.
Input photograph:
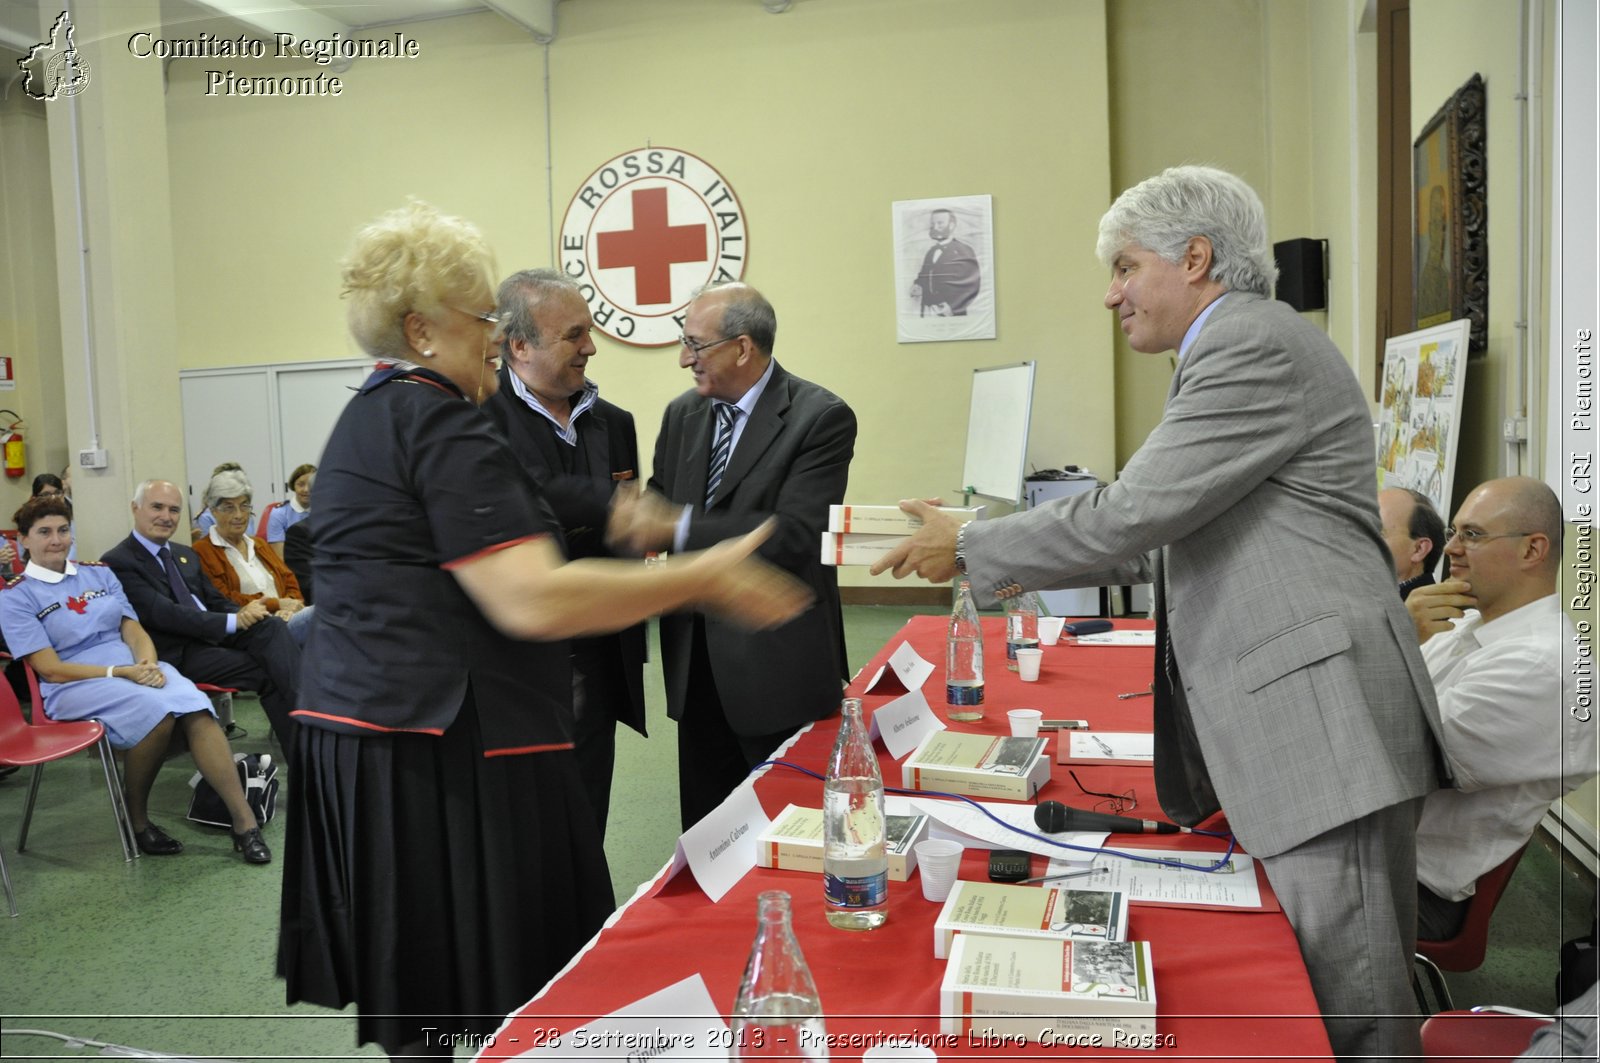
(430, 885)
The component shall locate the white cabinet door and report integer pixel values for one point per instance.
(309, 403)
(226, 417)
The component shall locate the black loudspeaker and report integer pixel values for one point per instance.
(1302, 281)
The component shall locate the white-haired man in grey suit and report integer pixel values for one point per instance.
(1292, 696)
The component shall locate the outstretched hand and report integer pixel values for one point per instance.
(745, 589)
(931, 550)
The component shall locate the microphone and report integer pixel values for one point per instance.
(1053, 817)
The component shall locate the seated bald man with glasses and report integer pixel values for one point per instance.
(1493, 635)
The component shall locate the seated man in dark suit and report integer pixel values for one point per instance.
(1414, 533)
(196, 630)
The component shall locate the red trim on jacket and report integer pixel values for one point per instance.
(486, 551)
(435, 731)
(519, 750)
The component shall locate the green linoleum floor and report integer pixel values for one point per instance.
(183, 948)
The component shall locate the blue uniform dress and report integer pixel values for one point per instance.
(79, 614)
(281, 519)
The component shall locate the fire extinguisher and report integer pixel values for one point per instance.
(16, 449)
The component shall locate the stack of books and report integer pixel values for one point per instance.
(860, 535)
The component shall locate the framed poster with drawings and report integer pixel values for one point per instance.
(1420, 409)
(1450, 180)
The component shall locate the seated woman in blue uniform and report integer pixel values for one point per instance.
(76, 629)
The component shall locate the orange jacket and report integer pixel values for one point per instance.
(219, 570)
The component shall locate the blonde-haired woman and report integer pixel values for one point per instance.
(442, 862)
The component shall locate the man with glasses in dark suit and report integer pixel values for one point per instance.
(750, 443)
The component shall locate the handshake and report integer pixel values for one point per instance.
(640, 521)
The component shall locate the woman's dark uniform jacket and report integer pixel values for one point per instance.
(397, 641)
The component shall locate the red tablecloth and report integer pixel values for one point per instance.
(1229, 985)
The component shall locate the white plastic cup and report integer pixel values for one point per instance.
(1050, 629)
(1025, 722)
(938, 860)
(1028, 665)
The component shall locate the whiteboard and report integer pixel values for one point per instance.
(997, 431)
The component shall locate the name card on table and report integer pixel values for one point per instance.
(1107, 747)
(902, 723)
(678, 1022)
(1135, 637)
(905, 671)
(722, 847)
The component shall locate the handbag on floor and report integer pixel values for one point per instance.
(259, 777)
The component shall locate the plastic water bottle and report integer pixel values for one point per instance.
(963, 659)
(1022, 626)
(855, 861)
(777, 1013)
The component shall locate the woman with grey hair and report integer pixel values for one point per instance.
(242, 566)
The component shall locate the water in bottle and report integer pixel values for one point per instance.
(1022, 626)
(963, 659)
(855, 859)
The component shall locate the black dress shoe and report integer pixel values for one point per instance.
(252, 846)
(153, 841)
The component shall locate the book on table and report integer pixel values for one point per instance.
(794, 842)
(1003, 991)
(977, 765)
(1004, 909)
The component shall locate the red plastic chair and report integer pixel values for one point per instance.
(1478, 1036)
(1466, 950)
(222, 701)
(261, 525)
(23, 744)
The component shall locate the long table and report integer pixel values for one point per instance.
(1229, 985)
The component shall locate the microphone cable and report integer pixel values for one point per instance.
(1222, 863)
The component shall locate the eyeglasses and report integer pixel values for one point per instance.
(1115, 804)
(487, 317)
(699, 349)
(231, 509)
(1472, 538)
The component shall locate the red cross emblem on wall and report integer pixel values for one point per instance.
(644, 232)
(651, 246)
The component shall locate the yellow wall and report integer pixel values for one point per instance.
(820, 118)
(1465, 37)
(30, 323)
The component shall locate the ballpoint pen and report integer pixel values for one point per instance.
(1064, 874)
(1133, 694)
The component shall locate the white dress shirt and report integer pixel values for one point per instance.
(1510, 739)
(254, 576)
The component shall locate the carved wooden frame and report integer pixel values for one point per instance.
(1454, 138)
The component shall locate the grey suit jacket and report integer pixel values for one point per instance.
(1310, 702)
(792, 462)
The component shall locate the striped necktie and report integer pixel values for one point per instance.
(721, 447)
